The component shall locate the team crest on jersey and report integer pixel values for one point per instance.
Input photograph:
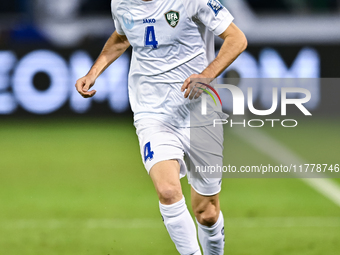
(172, 17)
(215, 6)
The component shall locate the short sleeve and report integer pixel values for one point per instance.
(118, 26)
(211, 13)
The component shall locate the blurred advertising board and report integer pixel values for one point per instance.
(41, 81)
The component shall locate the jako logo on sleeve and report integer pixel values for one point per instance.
(215, 6)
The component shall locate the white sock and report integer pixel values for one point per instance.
(212, 238)
(181, 227)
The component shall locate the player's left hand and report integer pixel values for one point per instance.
(194, 85)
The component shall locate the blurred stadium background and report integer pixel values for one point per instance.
(71, 177)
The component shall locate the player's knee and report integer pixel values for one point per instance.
(169, 194)
(208, 216)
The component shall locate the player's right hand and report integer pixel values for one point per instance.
(84, 84)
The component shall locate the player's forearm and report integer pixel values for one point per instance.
(115, 46)
(234, 44)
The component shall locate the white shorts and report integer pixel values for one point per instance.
(160, 141)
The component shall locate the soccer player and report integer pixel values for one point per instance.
(173, 45)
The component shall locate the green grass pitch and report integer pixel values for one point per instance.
(79, 187)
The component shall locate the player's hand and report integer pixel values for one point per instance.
(84, 84)
(194, 86)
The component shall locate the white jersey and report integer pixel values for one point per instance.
(171, 40)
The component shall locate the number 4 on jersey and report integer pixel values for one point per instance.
(150, 37)
(148, 153)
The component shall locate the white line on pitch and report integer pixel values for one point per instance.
(262, 222)
(280, 153)
(85, 223)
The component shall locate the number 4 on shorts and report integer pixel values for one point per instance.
(148, 153)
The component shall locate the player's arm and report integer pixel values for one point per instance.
(115, 46)
(235, 42)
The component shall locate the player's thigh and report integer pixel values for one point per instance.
(205, 160)
(159, 142)
(162, 153)
(165, 176)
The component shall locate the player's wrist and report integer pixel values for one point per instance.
(208, 76)
(93, 74)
